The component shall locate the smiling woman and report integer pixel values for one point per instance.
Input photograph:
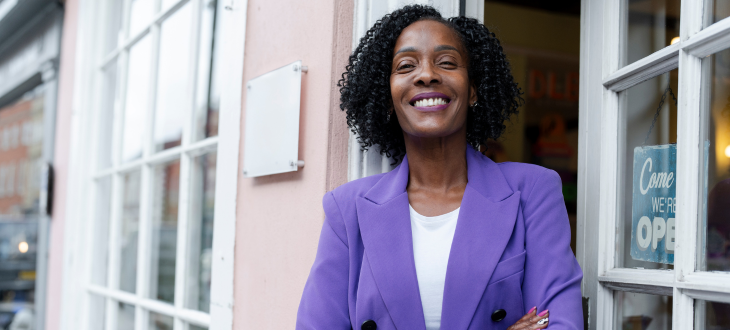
(448, 239)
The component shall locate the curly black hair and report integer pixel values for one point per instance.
(365, 84)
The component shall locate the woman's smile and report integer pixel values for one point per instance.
(431, 101)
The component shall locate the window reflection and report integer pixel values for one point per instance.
(651, 26)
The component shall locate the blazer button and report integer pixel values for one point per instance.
(369, 325)
(499, 315)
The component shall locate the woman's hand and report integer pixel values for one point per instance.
(532, 321)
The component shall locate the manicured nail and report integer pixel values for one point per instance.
(543, 313)
(532, 310)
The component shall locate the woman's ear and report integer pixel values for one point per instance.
(472, 94)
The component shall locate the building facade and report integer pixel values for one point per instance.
(129, 197)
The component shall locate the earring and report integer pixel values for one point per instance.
(474, 105)
(387, 118)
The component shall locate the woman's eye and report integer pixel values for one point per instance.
(405, 66)
(447, 63)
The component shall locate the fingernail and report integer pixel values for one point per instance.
(532, 310)
(543, 313)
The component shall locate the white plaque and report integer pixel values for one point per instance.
(271, 132)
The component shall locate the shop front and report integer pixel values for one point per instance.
(158, 222)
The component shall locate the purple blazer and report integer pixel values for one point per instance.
(511, 251)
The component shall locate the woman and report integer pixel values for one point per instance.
(448, 239)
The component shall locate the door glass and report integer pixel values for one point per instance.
(173, 79)
(638, 311)
(647, 154)
(710, 315)
(141, 14)
(160, 322)
(21, 147)
(165, 192)
(715, 227)
(136, 104)
(125, 316)
(209, 71)
(715, 11)
(651, 25)
(201, 232)
(129, 234)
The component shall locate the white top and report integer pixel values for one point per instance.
(432, 237)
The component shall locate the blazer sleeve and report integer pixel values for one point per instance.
(552, 274)
(324, 303)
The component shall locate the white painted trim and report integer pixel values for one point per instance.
(187, 315)
(661, 61)
(475, 9)
(233, 21)
(656, 277)
(712, 39)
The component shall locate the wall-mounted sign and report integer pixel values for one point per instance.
(271, 133)
(654, 203)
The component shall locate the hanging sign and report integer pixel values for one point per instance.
(654, 203)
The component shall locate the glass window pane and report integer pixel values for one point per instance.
(201, 232)
(125, 316)
(100, 239)
(710, 315)
(715, 243)
(715, 11)
(129, 233)
(637, 311)
(647, 140)
(114, 37)
(160, 322)
(173, 79)
(136, 105)
(106, 118)
(195, 327)
(651, 26)
(97, 312)
(165, 191)
(142, 12)
(208, 94)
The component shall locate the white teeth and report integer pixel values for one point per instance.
(430, 102)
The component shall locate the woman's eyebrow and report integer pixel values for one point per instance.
(405, 49)
(444, 47)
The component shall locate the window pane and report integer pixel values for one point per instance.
(142, 12)
(208, 94)
(637, 311)
(129, 231)
(114, 37)
(710, 315)
(106, 118)
(715, 11)
(160, 322)
(97, 312)
(100, 239)
(136, 105)
(172, 105)
(164, 230)
(715, 243)
(651, 26)
(201, 232)
(125, 316)
(195, 327)
(648, 174)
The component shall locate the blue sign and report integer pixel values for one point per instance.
(654, 203)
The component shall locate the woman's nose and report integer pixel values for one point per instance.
(427, 75)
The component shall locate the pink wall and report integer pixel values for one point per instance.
(64, 110)
(279, 217)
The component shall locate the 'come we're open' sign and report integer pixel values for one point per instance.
(654, 203)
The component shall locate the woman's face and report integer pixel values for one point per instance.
(429, 81)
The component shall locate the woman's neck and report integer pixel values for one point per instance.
(437, 172)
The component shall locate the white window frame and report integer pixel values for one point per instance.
(367, 12)
(79, 268)
(602, 79)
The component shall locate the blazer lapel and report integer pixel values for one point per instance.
(486, 221)
(385, 226)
